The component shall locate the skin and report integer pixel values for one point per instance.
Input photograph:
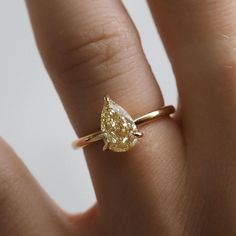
(181, 178)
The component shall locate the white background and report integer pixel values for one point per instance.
(32, 119)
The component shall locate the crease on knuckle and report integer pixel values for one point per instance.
(107, 50)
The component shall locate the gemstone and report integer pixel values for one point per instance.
(118, 127)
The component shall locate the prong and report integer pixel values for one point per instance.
(106, 98)
(138, 134)
(105, 147)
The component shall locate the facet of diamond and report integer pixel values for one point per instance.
(118, 127)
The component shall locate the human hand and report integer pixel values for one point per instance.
(180, 178)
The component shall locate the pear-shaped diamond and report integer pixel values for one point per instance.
(118, 127)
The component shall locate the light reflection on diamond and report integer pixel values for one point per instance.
(118, 127)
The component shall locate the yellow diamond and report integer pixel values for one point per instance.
(118, 127)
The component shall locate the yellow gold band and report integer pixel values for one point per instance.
(96, 136)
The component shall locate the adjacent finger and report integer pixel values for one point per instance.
(200, 38)
(91, 48)
(24, 207)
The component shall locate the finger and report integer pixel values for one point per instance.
(24, 207)
(90, 52)
(91, 48)
(200, 39)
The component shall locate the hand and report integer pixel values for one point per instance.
(181, 178)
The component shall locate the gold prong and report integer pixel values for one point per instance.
(105, 147)
(138, 134)
(106, 98)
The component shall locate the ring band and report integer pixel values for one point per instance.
(118, 130)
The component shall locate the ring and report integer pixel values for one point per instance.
(118, 130)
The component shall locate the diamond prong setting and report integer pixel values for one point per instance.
(119, 130)
(106, 98)
(105, 147)
(138, 134)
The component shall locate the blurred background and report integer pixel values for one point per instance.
(32, 118)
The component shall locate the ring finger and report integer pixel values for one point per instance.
(91, 48)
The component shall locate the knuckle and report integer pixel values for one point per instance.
(105, 49)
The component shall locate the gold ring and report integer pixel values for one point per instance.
(118, 130)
